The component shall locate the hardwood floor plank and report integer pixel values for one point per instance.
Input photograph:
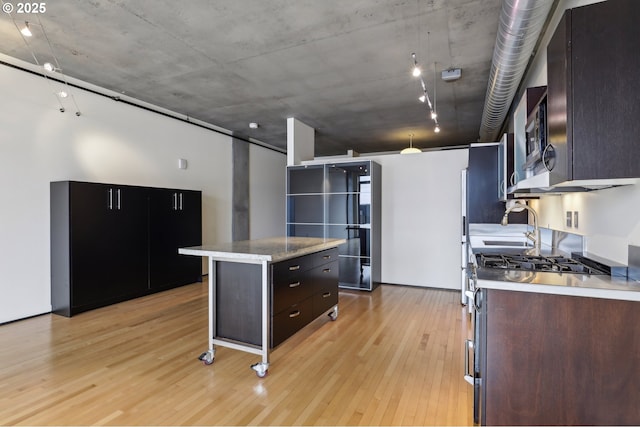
(393, 357)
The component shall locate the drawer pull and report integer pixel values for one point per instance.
(294, 314)
(326, 270)
(326, 257)
(294, 268)
(326, 295)
(294, 284)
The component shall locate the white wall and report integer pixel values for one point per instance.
(609, 219)
(111, 142)
(421, 218)
(268, 174)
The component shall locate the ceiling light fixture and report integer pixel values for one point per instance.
(26, 31)
(424, 98)
(49, 67)
(411, 149)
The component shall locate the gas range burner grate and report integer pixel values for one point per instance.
(554, 264)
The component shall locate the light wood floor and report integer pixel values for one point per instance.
(393, 357)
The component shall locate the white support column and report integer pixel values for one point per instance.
(300, 142)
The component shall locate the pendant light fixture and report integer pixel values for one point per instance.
(411, 149)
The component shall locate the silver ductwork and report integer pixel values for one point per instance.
(521, 22)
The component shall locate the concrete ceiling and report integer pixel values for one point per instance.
(342, 67)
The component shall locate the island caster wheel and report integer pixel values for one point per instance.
(262, 369)
(207, 357)
(333, 315)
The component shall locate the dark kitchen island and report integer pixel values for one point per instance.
(262, 291)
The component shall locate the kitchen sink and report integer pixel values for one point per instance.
(512, 243)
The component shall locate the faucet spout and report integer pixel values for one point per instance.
(534, 235)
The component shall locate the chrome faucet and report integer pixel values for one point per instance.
(534, 235)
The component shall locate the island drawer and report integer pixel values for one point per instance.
(291, 320)
(321, 258)
(290, 268)
(325, 287)
(324, 301)
(288, 292)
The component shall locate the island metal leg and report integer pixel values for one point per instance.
(261, 368)
(208, 356)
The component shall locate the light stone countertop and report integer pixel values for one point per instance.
(271, 249)
(572, 284)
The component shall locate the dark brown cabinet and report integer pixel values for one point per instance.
(484, 204)
(110, 244)
(593, 87)
(303, 289)
(557, 360)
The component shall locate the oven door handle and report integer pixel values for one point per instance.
(468, 376)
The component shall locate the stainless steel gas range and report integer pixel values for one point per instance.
(551, 263)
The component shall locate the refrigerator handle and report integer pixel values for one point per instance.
(468, 375)
(464, 225)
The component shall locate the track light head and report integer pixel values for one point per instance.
(49, 67)
(26, 31)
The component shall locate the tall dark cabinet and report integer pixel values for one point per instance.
(110, 243)
(174, 222)
(340, 200)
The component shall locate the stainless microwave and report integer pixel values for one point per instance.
(537, 136)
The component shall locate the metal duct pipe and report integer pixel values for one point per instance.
(520, 24)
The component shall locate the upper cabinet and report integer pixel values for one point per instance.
(591, 108)
(485, 178)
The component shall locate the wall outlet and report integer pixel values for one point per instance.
(575, 219)
(569, 218)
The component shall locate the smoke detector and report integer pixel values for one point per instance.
(451, 74)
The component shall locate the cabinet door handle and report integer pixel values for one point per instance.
(294, 314)
(110, 199)
(175, 201)
(326, 295)
(180, 201)
(119, 200)
(468, 376)
(326, 270)
(326, 257)
(294, 284)
(294, 267)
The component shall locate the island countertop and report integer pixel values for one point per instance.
(271, 249)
